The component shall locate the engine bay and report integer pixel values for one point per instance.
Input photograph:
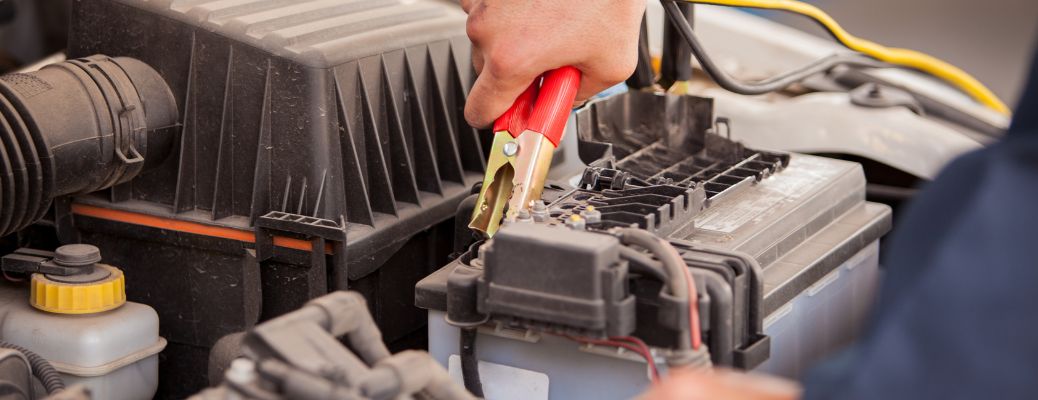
(271, 198)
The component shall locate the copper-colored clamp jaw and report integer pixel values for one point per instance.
(525, 138)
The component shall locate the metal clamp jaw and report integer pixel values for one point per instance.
(524, 139)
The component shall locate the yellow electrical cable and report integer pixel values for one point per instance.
(902, 57)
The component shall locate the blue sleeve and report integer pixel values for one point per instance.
(958, 313)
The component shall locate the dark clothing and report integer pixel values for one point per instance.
(957, 317)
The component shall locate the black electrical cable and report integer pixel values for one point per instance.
(643, 264)
(772, 84)
(469, 362)
(675, 62)
(41, 369)
(674, 266)
(643, 76)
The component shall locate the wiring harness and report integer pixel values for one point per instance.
(867, 54)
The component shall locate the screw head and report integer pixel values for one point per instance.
(576, 222)
(510, 148)
(524, 216)
(592, 215)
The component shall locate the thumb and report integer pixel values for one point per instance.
(492, 95)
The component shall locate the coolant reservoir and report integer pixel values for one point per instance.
(114, 352)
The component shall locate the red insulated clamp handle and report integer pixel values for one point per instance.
(554, 102)
(517, 117)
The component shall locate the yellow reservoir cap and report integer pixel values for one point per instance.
(79, 298)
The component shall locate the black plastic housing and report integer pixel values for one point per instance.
(557, 279)
(335, 124)
(656, 161)
(76, 127)
(552, 278)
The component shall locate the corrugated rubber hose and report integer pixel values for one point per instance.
(469, 362)
(41, 369)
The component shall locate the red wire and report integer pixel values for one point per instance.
(639, 347)
(647, 353)
(632, 339)
(693, 310)
(693, 301)
(11, 278)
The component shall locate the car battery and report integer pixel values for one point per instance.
(784, 246)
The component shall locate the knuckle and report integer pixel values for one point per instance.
(476, 25)
(474, 29)
(625, 68)
(500, 64)
(618, 72)
(618, 69)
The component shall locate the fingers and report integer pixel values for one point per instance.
(504, 65)
(513, 42)
(496, 88)
(493, 93)
(590, 86)
(603, 74)
(689, 384)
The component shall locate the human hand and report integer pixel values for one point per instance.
(693, 384)
(515, 41)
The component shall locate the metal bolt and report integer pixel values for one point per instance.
(524, 216)
(592, 215)
(510, 148)
(576, 222)
(539, 210)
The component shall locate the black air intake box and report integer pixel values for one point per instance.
(305, 124)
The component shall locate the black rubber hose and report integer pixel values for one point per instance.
(672, 262)
(643, 264)
(643, 77)
(676, 62)
(469, 362)
(41, 369)
(77, 127)
(768, 85)
(672, 266)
